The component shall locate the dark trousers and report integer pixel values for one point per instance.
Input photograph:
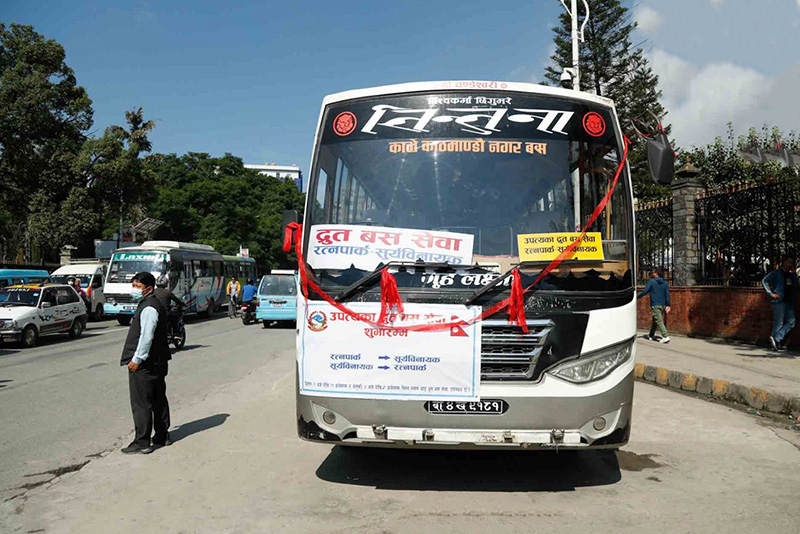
(149, 404)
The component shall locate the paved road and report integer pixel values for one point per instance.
(66, 400)
(237, 466)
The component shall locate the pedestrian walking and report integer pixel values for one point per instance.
(233, 290)
(658, 289)
(146, 354)
(781, 285)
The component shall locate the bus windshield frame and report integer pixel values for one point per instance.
(486, 166)
(125, 265)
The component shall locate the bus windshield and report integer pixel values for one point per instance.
(277, 285)
(479, 168)
(125, 265)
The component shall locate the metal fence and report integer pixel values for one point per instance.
(743, 230)
(654, 243)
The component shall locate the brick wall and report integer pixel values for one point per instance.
(726, 312)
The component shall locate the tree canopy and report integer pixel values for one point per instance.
(44, 118)
(611, 66)
(218, 202)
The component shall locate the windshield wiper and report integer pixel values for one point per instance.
(376, 273)
(488, 287)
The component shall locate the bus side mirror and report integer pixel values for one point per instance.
(660, 159)
(289, 216)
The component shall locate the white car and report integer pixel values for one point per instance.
(30, 311)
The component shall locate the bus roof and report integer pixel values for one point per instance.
(176, 244)
(228, 257)
(466, 85)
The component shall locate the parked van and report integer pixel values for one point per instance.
(277, 297)
(92, 275)
(13, 277)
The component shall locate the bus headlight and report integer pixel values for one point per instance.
(594, 366)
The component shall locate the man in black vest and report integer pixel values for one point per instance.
(146, 353)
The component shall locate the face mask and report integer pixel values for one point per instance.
(136, 294)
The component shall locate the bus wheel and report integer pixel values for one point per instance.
(124, 320)
(30, 337)
(98, 313)
(209, 312)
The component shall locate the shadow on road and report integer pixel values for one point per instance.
(189, 347)
(7, 352)
(4, 383)
(433, 470)
(193, 427)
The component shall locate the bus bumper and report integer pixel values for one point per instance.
(532, 421)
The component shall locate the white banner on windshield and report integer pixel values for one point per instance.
(343, 357)
(338, 246)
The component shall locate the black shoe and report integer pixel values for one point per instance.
(773, 343)
(167, 442)
(135, 448)
(782, 348)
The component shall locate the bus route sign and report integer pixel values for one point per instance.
(342, 356)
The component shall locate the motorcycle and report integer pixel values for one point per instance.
(176, 329)
(248, 312)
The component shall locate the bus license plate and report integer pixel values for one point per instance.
(128, 308)
(481, 407)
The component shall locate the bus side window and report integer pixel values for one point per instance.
(198, 268)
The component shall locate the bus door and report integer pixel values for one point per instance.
(188, 281)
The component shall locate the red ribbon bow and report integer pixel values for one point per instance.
(390, 296)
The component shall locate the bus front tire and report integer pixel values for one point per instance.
(208, 312)
(124, 320)
(99, 313)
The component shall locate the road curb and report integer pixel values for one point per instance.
(757, 398)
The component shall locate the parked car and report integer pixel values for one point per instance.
(30, 311)
(92, 276)
(13, 277)
(277, 297)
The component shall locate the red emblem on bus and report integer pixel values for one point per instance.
(594, 124)
(344, 123)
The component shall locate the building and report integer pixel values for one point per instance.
(284, 172)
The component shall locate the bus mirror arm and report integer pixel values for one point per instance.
(660, 155)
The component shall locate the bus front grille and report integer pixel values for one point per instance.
(507, 353)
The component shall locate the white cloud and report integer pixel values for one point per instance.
(649, 19)
(701, 100)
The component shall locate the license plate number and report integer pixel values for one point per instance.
(481, 407)
(128, 308)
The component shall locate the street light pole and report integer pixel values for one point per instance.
(576, 80)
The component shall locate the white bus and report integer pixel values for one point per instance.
(196, 275)
(516, 170)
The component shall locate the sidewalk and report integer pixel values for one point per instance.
(742, 373)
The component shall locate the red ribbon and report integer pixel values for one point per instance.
(519, 309)
(287, 235)
(390, 296)
(516, 305)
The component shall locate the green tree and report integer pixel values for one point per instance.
(611, 66)
(721, 165)
(218, 202)
(111, 168)
(44, 117)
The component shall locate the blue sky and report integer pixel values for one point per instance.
(248, 77)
